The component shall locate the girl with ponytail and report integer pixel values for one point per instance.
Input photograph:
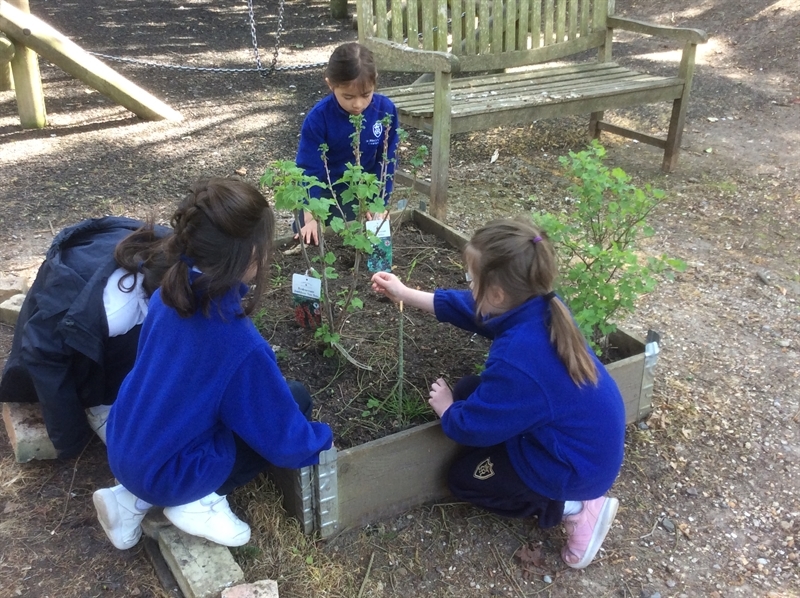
(544, 424)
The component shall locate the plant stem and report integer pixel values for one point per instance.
(400, 362)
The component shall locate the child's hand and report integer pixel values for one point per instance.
(441, 397)
(309, 231)
(389, 285)
(377, 215)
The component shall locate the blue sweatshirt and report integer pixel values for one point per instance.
(329, 123)
(196, 382)
(564, 441)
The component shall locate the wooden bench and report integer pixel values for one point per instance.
(485, 38)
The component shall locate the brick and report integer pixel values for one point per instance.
(266, 588)
(9, 309)
(11, 285)
(202, 568)
(26, 431)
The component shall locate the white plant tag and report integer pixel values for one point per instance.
(381, 258)
(306, 291)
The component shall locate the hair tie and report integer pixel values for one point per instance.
(187, 260)
(536, 239)
(549, 296)
(140, 267)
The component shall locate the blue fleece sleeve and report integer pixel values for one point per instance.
(259, 407)
(458, 308)
(506, 403)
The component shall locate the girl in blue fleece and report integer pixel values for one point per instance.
(205, 407)
(544, 422)
(351, 76)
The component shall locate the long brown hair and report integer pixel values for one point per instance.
(142, 254)
(517, 257)
(221, 228)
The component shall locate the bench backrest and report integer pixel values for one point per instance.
(489, 34)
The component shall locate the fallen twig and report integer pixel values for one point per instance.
(69, 491)
(366, 576)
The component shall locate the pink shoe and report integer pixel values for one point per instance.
(587, 530)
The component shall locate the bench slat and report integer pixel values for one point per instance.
(489, 62)
(527, 113)
(536, 24)
(548, 22)
(540, 73)
(468, 99)
(470, 12)
(521, 29)
(561, 20)
(421, 104)
(585, 17)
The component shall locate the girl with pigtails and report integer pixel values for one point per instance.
(205, 408)
(544, 423)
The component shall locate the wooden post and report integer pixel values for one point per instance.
(7, 51)
(27, 78)
(678, 118)
(440, 154)
(37, 35)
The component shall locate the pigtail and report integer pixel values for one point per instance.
(570, 344)
(565, 335)
(176, 288)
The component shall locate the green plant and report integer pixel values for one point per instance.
(367, 194)
(602, 272)
(279, 278)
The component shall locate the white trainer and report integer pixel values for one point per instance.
(98, 418)
(210, 518)
(119, 516)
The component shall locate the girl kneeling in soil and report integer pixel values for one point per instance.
(205, 407)
(351, 76)
(544, 421)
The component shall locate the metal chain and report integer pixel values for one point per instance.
(259, 67)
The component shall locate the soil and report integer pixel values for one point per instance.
(709, 489)
(363, 403)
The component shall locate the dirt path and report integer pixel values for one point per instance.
(709, 490)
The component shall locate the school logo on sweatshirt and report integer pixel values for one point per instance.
(484, 470)
(377, 129)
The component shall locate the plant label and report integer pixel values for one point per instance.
(306, 291)
(381, 258)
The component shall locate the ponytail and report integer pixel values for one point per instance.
(519, 258)
(570, 344)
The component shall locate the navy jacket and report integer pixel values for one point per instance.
(61, 355)
(564, 441)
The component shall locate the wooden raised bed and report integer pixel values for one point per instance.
(387, 476)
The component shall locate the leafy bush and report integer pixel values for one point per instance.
(602, 273)
(366, 193)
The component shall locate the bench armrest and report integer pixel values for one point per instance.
(393, 56)
(682, 34)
